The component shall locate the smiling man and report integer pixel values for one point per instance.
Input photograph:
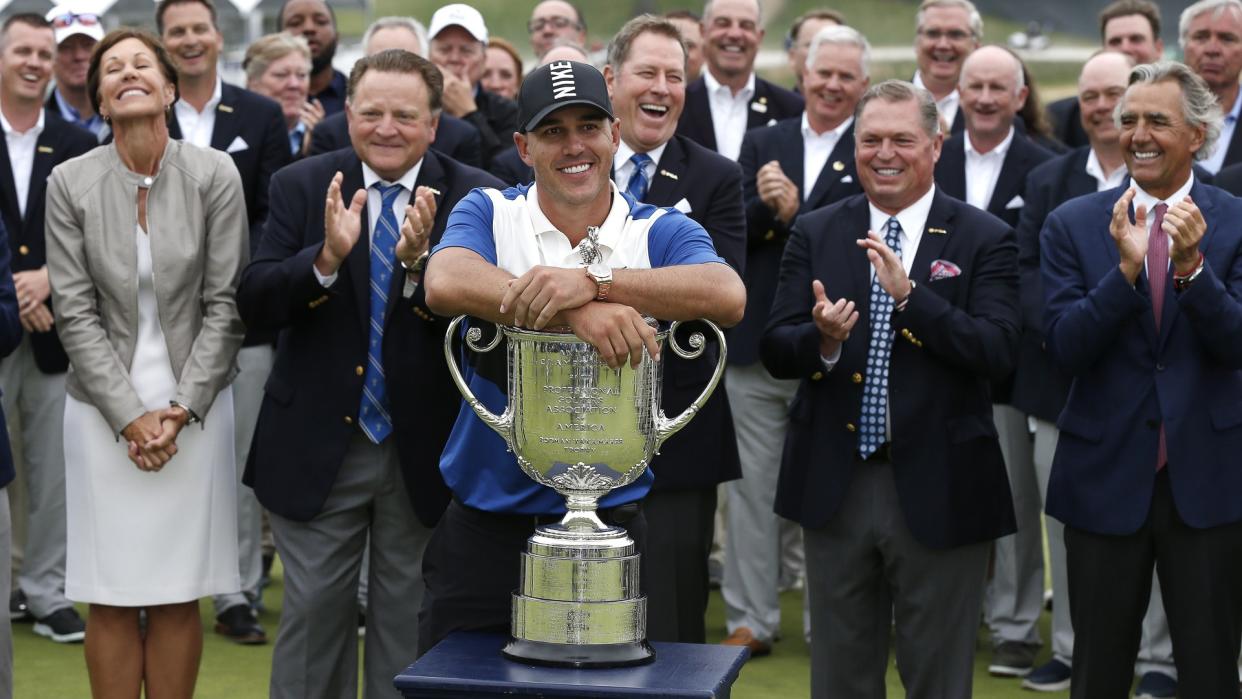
(76, 35)
(36, 139)
(552, 20)
(1141, 289)
(315, 21)
(1210, 33)
(946, 32)
(729, 99)
(797, 165)
(895, 310)
(339, 276)
(251, 129)
(646, 75)
(570, 249)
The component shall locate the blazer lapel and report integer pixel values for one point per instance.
(1169, 314)
(174, 126)
(228, 122)
(757, 113)
(44, 160)
(432, 175)
(358, 262)
(838, 164)
(8, 190)
(669, 183)
(858, 220)
(1012, 175)
(698, 114)
(951, 170)
(935, 236)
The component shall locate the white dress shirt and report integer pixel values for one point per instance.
(1228, 125)
(21, 157)
(623, 169)
(375, 202)
(947, 105)
(982, 171)
(1104, 181)
(816, 148)
(196, 126)
(1142, 198)
(730, 113)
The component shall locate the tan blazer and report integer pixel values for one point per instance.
(196, 216)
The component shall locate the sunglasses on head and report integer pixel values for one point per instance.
(67, 19)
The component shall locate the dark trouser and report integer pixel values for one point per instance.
(1200, 574)
(473, 563)
(675, 563)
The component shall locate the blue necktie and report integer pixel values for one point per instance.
(875, 390)
(373, 415)
(637, 187)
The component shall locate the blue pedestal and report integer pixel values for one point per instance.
(470, 665)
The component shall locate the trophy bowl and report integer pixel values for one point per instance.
(582, 428)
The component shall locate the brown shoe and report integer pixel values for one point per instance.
(743, 636)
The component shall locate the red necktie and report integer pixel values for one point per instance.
(1157, 275)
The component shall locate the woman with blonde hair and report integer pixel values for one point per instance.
(278, 66)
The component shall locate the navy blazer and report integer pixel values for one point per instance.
(260, 123)
(10, 338)
(705, 452)
(311, 399)
(769, 104)
(455, 138)
(765, 234)
(954, 337)
(1128, 378)
(508, 166)
(1023, 155)
(59, 141)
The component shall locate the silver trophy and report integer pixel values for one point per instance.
(581, 428)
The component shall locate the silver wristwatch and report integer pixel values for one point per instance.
(602, 275)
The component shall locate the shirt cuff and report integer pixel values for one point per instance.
(830, 363)
(327, 281)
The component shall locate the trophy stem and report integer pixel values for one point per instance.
(580, 512)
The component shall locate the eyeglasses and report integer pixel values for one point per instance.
(557, 22)
(951, 35)
(69, 18)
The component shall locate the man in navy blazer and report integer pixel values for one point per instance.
(1145, 472)
(330, 461)
(10, 338)
(794, 166)
(896, 309)
(729, 99)
(251, 129)
(646, 82)
(34, 140)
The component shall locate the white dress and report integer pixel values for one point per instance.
(139, 538)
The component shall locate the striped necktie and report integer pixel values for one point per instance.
(639, 183)
(374, 415)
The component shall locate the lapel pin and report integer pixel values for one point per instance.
(44, 149)
(838, 166)
(760, 107)
(225, 108)
(668, 174)
(937, 231)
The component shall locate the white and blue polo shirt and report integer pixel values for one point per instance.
(508, 229)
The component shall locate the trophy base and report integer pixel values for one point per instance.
(602, 655)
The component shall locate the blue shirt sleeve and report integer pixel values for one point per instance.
(470, 226)
(677, 239)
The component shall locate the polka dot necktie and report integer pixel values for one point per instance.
(373, 415)
(639, 183)
(875, 390)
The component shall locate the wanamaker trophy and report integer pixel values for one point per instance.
(581, 428)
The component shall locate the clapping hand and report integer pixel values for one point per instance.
(834, 320)
(312, 114)
(777, 191)
(342, 226)
(888, 267)
(1185, 225)
(420, 217)
(1130, 238)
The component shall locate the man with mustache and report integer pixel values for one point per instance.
(946, 31)
(315, 20)
(729, 99)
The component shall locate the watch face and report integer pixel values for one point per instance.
(600, 270)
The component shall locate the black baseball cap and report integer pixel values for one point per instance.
(560, 84)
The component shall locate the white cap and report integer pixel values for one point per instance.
(72, 23)
(459, 15)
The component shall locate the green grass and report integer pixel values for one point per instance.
(46, 670)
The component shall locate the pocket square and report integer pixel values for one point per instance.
(238, 144)
(683, 206)
(1015, 203)
(943, 269)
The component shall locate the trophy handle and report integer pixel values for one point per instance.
(499, 423)
(665, 427)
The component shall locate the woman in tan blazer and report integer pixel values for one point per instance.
(146, 241)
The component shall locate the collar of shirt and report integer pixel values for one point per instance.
(370, 178)
(997, 152)
(623, 169)
(609, 230)
(834, 135)
(375, 199)
(1104, 181)
(1142, 198)
(33, 131)
(211, 103)
(912, 219)
(71, 114)
(714, 87)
